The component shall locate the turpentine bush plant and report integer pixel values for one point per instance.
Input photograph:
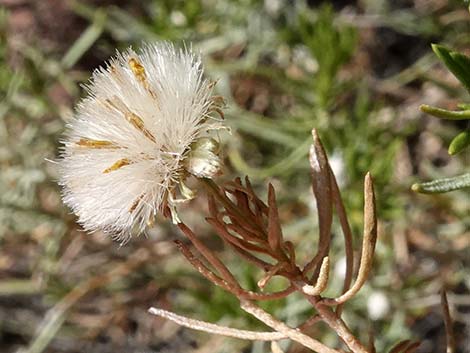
(147, 126)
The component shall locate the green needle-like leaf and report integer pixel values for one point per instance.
(444, 113)
(85, 41)
(278, 168)
(443, 185)
(455, 62)
(463, 61)
(460, 142)
(463, 106)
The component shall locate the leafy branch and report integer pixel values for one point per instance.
(459, 65)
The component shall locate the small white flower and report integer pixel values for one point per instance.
(132, 139)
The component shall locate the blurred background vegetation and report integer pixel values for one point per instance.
(355, 70)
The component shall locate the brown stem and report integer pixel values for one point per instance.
(339, 326)
(279, 326)
(205, 271)
(347, 234)
(216, 329)
(368, 244)
(334, 322)
(208, 255)
(448, 323)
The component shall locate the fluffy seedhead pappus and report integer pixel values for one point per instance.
(142, 129)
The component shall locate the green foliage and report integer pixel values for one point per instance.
(459, 65)
(443, 185)
(22, 167)
(331, 45)
(459, 143)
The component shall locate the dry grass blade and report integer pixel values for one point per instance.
(368, 244)
(450, 339)
(57, 315)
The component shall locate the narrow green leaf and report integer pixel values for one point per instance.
(277, 169)
(443, 185)
(19, 287)
(463, 106)
(460, 142)
(85, 41)
(463, 61)
(260, 126)
(444, 113)
(455, 63)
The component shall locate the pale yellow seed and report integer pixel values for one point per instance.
(137, 69)
(131, 117)
(97, 144)
(119, 164)
(139, 72)
(138, 123)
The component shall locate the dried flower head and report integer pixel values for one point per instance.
(142, 129)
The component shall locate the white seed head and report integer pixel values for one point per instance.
(378, 305)
(129, 141)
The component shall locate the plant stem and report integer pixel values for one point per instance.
(293, 334)
(336, 324)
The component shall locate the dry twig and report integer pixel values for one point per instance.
(254, 232)
(450, 339)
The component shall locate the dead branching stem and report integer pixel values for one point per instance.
(448, 323)
(328, 316)
(279, 326)
(368, 244)
(253, 229)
